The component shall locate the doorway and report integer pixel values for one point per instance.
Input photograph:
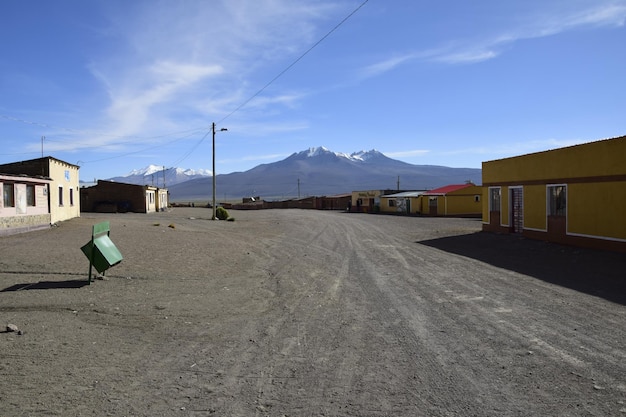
(517, 209)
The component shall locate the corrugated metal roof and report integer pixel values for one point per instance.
(404, 194)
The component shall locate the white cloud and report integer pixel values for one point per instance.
(514, 148)
(543, 23)
(385, 66)
(407, 154)
(182, 63)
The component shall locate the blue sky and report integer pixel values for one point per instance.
(116, 85)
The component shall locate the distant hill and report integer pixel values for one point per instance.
(159, 175)
(319, 171)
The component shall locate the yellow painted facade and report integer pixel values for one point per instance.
(64, 191)
(401, 203)
(590, 180)
(466, 201)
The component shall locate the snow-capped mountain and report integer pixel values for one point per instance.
(320, 171)
(159, 176)
(355, 156)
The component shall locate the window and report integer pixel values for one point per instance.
(30, 195)
(71, 196)
(557, 203)
(477, 199)
(392, 202)
(494, 199)
(8, 192)
(60, 196)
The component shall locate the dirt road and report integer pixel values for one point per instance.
(309, 313)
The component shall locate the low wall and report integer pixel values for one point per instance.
(20, 224)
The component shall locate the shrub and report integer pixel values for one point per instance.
(221, 213)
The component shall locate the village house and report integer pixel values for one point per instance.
(407, 202)
(453, 200)
(63, 200)
(117, 197)
(23, 203)
(574, 195)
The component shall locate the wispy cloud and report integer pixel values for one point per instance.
(514, 148)
(197, 62)
(407, 154)
(386, 65)
(544, 23)
(255, 158)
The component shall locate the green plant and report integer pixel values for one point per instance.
(221, 213)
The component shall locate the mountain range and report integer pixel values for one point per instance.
(315, 171)
(160, 176)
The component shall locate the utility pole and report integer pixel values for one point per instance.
(42, 138)
(163, 176)
(298, 188)
(398, 183)
(213, 130)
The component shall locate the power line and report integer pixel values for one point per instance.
(293, 63)
(48, 126)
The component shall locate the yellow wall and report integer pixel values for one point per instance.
(535, 207)
(571, 162)
(69, 184)
(595, 177)
(464, 201)
(596, 209)
(485, 204)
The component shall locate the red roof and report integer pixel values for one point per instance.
(448, 189)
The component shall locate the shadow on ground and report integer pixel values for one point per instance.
(599, 273)
(47, 285)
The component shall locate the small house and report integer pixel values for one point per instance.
(407, 202)
(453, 200)
(573, 195)
(63, 187)
(117, 197)
(23, 203)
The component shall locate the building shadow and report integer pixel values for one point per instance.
(47, 285)
(595, 272)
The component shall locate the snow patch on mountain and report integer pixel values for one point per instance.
(360, 156)
(153, 169)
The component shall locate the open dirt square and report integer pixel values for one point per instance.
(309, 313)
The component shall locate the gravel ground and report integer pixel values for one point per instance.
(309, 313)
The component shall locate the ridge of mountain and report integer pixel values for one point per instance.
(160, 176)
(319, 171)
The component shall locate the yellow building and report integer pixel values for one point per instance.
(63, 195)
(574, 195)
(407, 202)
(452, 200)
(366, 201)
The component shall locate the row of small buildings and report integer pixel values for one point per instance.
(574, 195)
(44, 191)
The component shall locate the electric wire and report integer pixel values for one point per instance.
(242, 105)
(194, 147)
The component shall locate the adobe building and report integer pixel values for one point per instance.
(63, 200)
(117, 197)
(574, 195)
(23, 204)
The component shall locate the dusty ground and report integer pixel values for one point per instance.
(309, 313)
